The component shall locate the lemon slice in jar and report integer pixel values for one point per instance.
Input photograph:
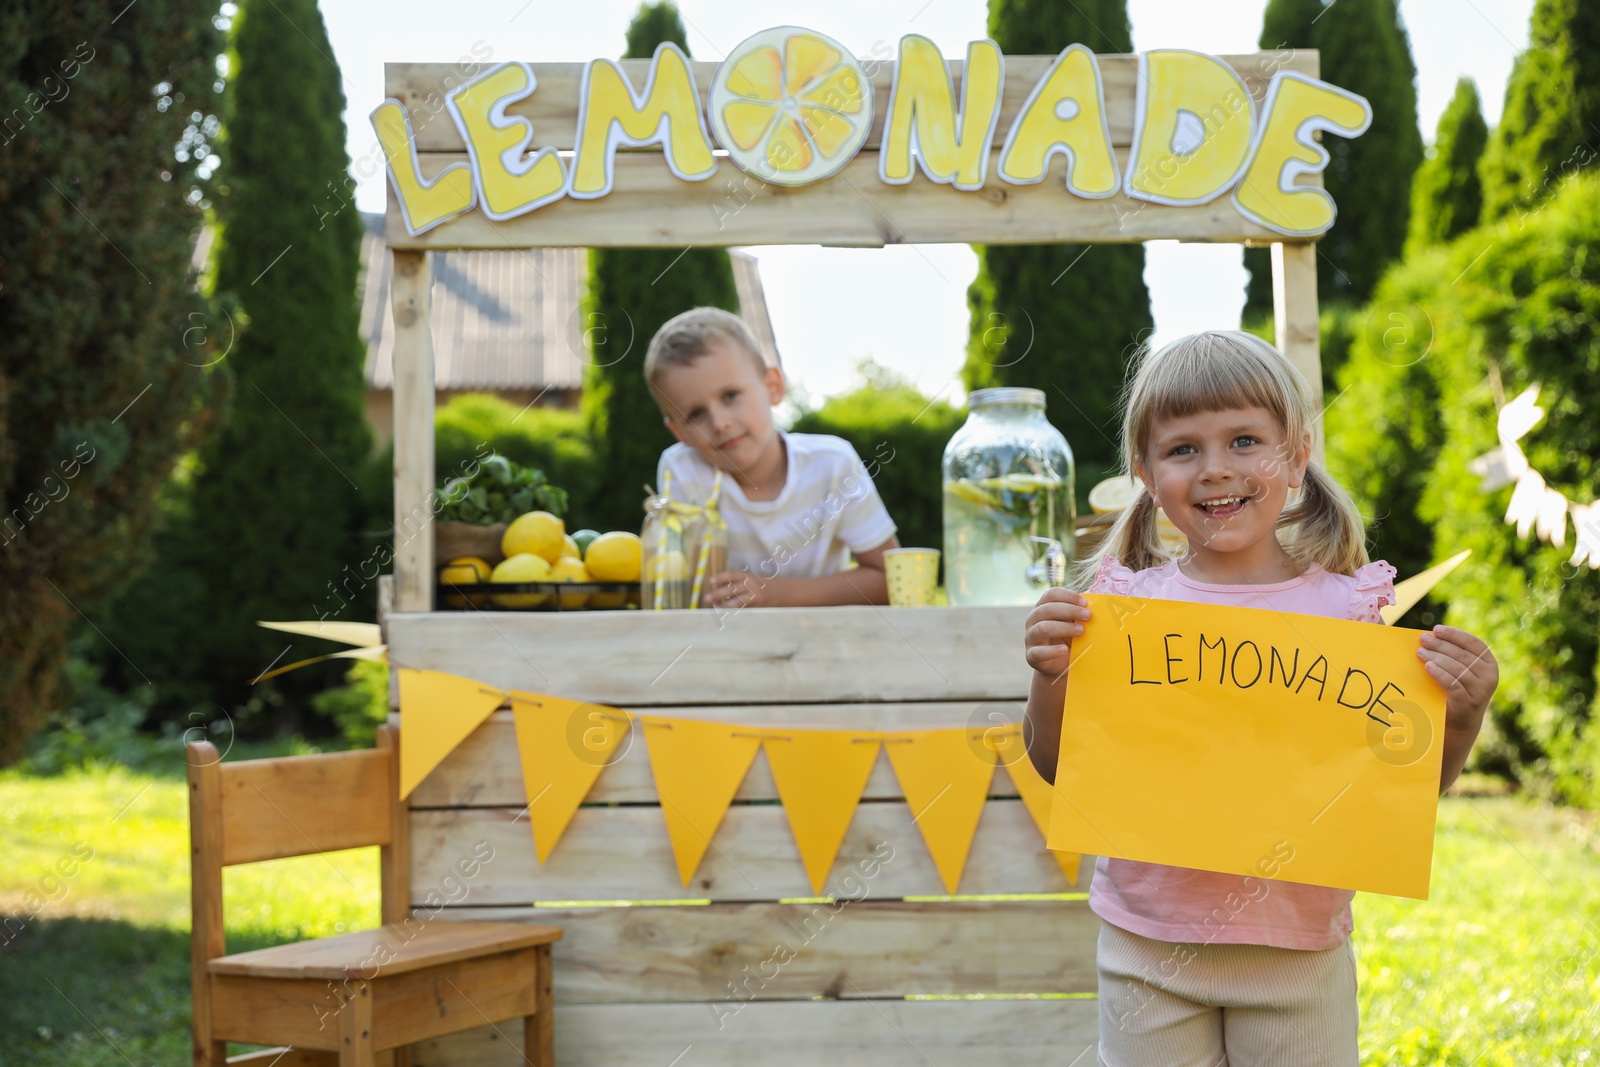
(1114, 494)
(791, 106)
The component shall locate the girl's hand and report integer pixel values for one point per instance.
(1465, 669)
(1052, 624)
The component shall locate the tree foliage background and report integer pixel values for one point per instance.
(102, 383)
(270, 522)
(1365, 49)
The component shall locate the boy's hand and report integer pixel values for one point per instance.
(730, 590)
(1465, 669)
(1052, 624)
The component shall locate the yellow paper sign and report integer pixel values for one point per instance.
(1203, 736)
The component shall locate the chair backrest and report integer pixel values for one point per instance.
(291, 806)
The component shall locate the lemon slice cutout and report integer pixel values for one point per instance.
(790, 106)
(758, 75)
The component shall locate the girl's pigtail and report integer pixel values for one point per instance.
(1325, 525)
(1133, 539)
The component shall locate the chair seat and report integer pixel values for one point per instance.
(391, 949)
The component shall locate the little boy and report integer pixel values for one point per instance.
(797, 505)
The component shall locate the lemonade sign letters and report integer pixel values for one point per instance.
(792, 108)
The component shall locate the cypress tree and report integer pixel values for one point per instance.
(98, 394)
(1060, 317)
(1284, 24)
(272, 523)
(1550, 127)
(1364, 49)
(632, 292)
(1446, 196)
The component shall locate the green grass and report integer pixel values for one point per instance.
(1500, 968)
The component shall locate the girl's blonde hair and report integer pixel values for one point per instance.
(1215, 371)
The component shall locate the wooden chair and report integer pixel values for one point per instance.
(346, 1000)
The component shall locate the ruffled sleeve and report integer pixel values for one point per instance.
(1112, 577)
(1374, 587)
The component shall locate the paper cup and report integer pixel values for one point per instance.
(913, 575)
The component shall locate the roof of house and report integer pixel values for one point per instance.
(507, 320)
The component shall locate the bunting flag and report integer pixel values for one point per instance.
(698, 767)
(946, 783)
(563, 750)
(1035, 793)
(820, 776)
(437, 712)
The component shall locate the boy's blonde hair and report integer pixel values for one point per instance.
(684, 338)
(1215, 371)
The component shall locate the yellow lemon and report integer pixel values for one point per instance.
(1114, 494)
(464, 570)
(522, 567)
(791, 106)
(538, 532)
(615, 557)
(569, 548)
(570, 569)
(671, 567)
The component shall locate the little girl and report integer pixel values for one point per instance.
(1218, 429)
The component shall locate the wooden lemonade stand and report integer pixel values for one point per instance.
(655, 972)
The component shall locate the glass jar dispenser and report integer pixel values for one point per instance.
(1008, 480)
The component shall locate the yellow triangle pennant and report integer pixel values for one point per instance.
(1036, 794)
(820, 776)
(698, 767)
(945, 775)
(437, 712)
(564, 744)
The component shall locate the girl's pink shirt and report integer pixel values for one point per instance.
(1182, 905)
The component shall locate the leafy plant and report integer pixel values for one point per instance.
(498, 491)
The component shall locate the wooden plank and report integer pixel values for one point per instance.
(639, 659)
(539, 1029)
(839, 1033)
(623, 853)
(650, 207)
(207, 938)
(412, 285)
(848, 949)
(386, 951)
(272, 808)
(303, 1013)
(1294, 305)
(553, 107)
(394, 859)
(485, 770)
(413, 1007)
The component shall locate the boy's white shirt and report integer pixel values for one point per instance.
(828, 507)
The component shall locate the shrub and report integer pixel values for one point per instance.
(1528, 312)
(548, 439)
(890, 422)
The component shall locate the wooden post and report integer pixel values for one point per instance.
(413, 432)
(207, 939)
(1294, 305)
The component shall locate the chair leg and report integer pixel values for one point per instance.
(539, 1029)
(355, 1029)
